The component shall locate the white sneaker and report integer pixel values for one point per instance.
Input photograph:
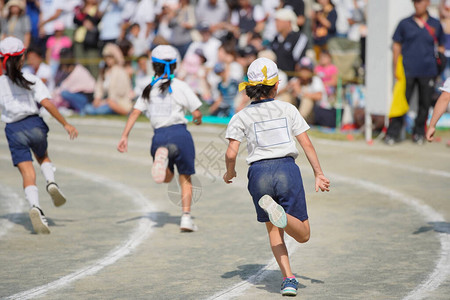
(187, 224)
(57, 196)
(39, 221)
(160, 164)
(277, 215)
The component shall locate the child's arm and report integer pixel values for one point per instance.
(72, 131)
(197, 117)
(321, 181)
(123, 143)
(439, 109)
(230, 160)
(215, 105)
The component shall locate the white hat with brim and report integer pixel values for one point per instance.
(165, 52)
(286, 14)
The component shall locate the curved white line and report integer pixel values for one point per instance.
(141, 233)
(14, 204)
(434, 280)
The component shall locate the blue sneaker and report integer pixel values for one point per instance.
(277, 215)
(289, 287)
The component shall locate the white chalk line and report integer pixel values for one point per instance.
(433, 281)
(139, 234)
(14, 204)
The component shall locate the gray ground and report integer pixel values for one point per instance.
(381, 233)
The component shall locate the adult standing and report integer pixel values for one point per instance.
(16, 22)
(417, 38)
(215, 13)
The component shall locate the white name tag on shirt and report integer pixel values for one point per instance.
(272, 132)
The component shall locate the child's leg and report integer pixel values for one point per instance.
(58, 197)
(186, 192)
(297, 229)
(169, 176)
(276, 237)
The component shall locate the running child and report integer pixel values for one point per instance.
(164, 102)
(274, 180)
(440, 108)
(25, 130)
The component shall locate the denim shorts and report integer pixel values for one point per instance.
(279, 178)
(181, 147)
(26, 134)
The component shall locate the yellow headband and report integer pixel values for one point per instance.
(266, 81)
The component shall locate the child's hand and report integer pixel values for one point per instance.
(322, 183)
(72, 131)
(228, 176)
(123, 145)
(197, 117)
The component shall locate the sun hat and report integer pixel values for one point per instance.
(114, 51)
(286, 14)
(11, 46)
(19, 3)
(261, 71)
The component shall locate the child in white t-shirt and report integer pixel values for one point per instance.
(164, 102)
(275, 182)
(25, 130)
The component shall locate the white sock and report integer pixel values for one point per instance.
(32, 195)
(48, 171)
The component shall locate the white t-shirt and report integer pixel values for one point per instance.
(167, 109)
(17, 103)
(315, 87)
(48, 9)
(270, 128)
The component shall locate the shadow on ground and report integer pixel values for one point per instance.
(270, 279)
(160, 218)
(23, 219)
(441, 227)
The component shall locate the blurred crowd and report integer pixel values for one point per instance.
(95, 55)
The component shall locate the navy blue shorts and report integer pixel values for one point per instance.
(26, 134)
(181, 147)
(279, 178)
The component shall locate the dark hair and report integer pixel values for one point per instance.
(159, 70)
(259, 91)
(14, 72)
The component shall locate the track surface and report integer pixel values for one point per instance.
(383, 232)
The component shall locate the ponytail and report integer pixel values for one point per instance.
(160, 69)
(13, 71)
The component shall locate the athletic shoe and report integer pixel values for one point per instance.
(289, 287)
(160, 164)
(187, 224)
(276, 213)
(418, 139)
(39, 221)
(57, 196)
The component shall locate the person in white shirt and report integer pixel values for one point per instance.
(164, 102)
(442, 105)
(25, 130)
(275, 182)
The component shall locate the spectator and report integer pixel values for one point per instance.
(77, 88)
(140, 45)
(208, 44)
(290, 44)
(35, 65)
(16, 22)
(358, 28)
(32, 11)
(228, 90)
(213, 13)
(86, 38)
(111, 15)
(113, 89)
(311, 92)
(270, 29)
(182, 21)
(323, 20)
(55, 44)
(142, 76)
(49, 11)
(62, 10)
(328, 72)
(298, 6)
(144, 15)
(415, 38)
(193, 72)
(246, 19)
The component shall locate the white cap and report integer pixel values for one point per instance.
(11, 45)
(287, 14)
(255, 72)
(446, 87)
(165, 52)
